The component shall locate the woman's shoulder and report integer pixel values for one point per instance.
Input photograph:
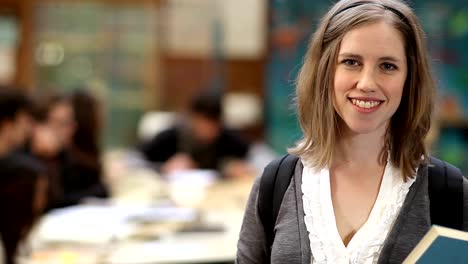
(443, 174)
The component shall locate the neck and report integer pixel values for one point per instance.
(363, 150)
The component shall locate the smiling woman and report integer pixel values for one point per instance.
(369, 78)
(366, 48)
(359, 192)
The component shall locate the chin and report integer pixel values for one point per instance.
(362, 129)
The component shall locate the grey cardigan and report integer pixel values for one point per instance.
(291, 244)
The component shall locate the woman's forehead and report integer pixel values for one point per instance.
(378, 40)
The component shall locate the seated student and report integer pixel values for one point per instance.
(201, 141)
(22, 187)
(85, 167)
(63, 141)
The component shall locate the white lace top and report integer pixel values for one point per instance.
(366, 244)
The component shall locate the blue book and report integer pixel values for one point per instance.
(441, 245)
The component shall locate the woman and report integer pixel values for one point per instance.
(360, 191)
(72, 155)
(82, 175)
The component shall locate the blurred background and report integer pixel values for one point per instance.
(143, 62)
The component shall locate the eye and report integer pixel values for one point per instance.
(388, 66)
(351, 62)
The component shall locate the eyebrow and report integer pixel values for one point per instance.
(356, 56)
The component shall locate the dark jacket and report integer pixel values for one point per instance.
(77, 179)
(19, 175)
(208, 156)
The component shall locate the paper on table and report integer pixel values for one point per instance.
(187, 188)
(198, 177)
(165, 214)
(101, 224)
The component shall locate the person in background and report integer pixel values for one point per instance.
(22, 182)
(85, 175)
(359, 192)
(23, 121)
(201, 141)
(66, 139)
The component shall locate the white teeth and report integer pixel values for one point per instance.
(365, 104)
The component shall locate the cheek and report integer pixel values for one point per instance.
(395, 90)
(342, 83)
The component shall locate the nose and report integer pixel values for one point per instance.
(367, 81)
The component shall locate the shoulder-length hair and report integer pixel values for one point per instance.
(314, 88)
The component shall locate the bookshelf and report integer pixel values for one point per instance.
(112, 48)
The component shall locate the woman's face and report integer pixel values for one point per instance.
(62, 122)
(204, 129)
(369, 77)
(22, 128)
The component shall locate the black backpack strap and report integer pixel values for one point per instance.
(273, 184)
(445, 194)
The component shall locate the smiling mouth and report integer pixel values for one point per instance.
(366, 104)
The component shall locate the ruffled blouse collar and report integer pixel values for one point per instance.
(325, 241)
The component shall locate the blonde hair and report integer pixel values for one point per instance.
(314, 88)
